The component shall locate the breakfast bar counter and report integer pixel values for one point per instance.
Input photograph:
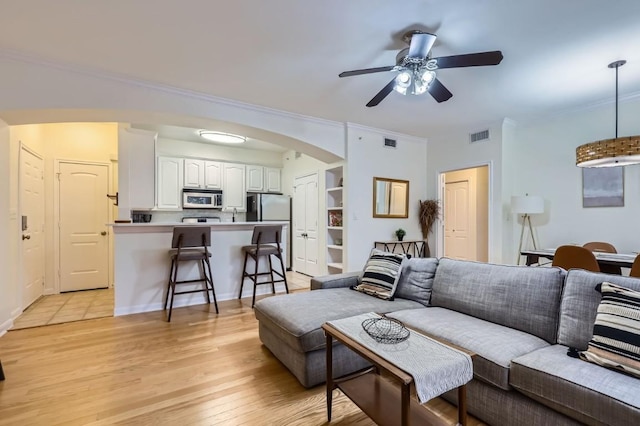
(141, 264)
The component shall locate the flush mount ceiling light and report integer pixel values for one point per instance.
(221, 137)
(610, 152)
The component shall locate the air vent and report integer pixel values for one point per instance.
(482, 135)
(390, 143)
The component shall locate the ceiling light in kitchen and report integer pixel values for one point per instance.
(221, 137)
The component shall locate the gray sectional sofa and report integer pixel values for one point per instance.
(520, 321)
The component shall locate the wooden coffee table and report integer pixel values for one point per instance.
(383, 401)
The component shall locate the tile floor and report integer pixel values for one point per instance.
(81, 305)
(67, 307)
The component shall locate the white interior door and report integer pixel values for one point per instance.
(456, 220)
(32, 214)
(305, 224)
(84, 213)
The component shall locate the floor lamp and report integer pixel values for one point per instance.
(526, 206)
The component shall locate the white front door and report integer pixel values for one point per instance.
(305, 224)
(456, 220)
(84, 213)
(32, 225)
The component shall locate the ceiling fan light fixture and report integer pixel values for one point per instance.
(623, 151)
(403, 81)
(221, 137)
(428, 76)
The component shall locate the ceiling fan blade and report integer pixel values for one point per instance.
(365, 71)
(438, 91)
(382, 94)
(421, 44)
(470, 60)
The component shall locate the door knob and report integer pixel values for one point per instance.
(103, 233)
(26, 237)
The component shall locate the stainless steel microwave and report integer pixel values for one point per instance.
(201, 198)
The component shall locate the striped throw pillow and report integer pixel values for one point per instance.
(381, 274)
(616, 332)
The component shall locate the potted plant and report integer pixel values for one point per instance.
(429, 213)
(400, 233)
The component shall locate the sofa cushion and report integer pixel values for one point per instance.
(585, 391)
(380, 274)
(296, 318)
(580, 302)
(519, 297)
(616, 331)
(416, 279)
(495, 345)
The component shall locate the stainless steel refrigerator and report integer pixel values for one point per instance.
(268, 207)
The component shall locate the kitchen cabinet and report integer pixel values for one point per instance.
(212, 175)
(202, 174)
(272, 179)
(235, 188)
(255, 178)
(193, 173)
(169, 182)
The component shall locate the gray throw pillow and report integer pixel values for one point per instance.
(416, 279)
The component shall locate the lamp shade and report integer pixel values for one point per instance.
(529, 204)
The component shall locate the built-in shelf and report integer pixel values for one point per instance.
(335, 252)
(335, 265)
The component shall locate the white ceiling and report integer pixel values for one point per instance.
(286, 54)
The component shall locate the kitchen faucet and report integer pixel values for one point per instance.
(233, 218)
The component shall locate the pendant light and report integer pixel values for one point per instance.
(610, 152)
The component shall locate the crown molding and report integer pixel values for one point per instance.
(187, 93)
(386, 133)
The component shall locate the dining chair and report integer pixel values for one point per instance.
(602, 247)
(568, 257)
(635, 268)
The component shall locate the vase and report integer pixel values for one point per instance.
(400, 237)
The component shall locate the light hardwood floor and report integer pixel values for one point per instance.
(200, 369)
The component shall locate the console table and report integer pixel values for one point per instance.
(415, 248)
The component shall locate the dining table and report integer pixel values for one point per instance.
(623, 260)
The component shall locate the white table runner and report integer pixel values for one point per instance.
(435, 367)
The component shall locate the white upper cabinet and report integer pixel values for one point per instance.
(272, 180)
(255, 178)
(136, 170)
(169, 182)
(193, 173)
(212, 175)
(234, 195)
(202, 174)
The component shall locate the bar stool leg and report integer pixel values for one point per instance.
(205, 281)
(244, 273)
(166, 297)
(284, 273)
(213, 290)
(273, 279)
(255, 279)
(173, 289)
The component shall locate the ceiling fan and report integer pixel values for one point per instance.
(417, 69)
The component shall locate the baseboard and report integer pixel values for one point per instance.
(6, 326)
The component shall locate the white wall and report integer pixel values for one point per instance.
(546, 167)
(172, 147)
(452, 151)
(368, 157)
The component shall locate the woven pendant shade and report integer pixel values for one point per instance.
(610, 152)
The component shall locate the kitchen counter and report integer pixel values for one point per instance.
(141, 264)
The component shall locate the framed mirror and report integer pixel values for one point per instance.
(390, 198)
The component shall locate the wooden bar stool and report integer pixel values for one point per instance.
(190, 243)
(264, 242)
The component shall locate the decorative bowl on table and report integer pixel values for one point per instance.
(386, 330)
